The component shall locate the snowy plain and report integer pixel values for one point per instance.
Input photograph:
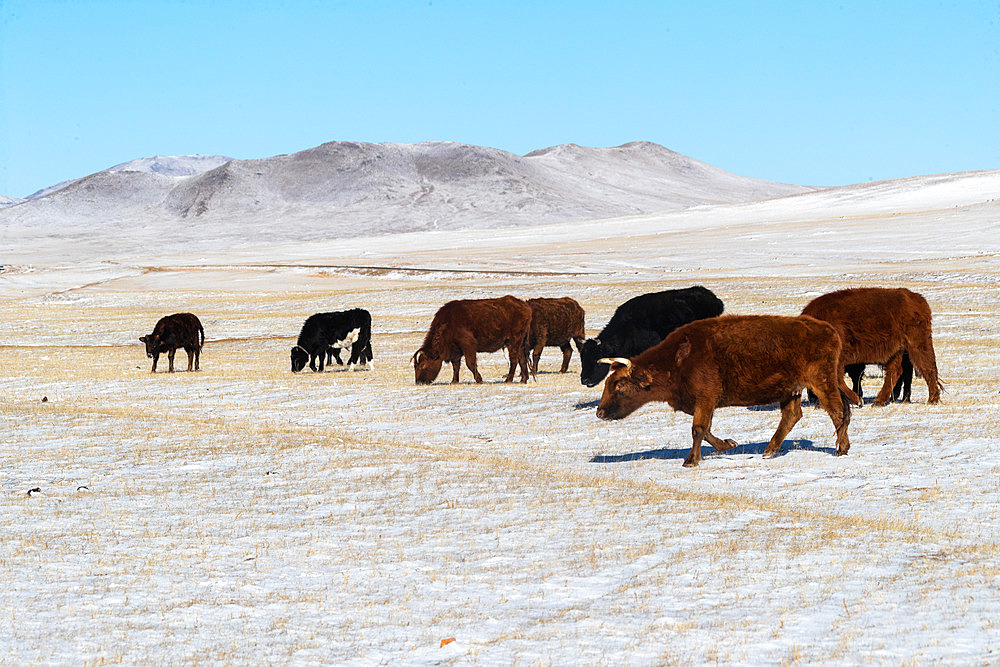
(245, 514)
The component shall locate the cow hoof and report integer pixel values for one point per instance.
(690, 464)
(726, 445)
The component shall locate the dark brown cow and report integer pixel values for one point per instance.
(172, 332)
(554, 323)
(464, 327)
(735, 360)
(878, 325)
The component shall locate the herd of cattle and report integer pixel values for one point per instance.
(674, 346)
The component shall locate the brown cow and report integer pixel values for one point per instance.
(554, 323)
(468, 326)
(735, 360)
(878, 325)
(172, 332)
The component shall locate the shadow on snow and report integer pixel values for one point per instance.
(708, 452)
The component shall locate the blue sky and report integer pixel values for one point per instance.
(802, 92)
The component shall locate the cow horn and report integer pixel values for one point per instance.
(616, 360)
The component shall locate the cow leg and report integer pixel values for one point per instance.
(922, 355)
(511, 367)
(791, 413)
(901, 392)
(197, 358)
(471, 362)
(893, 370)
(837, 405)
(719, 444)
(567, 354)
(156, 357)
(519, 357)
(512, 363)
(536, 355)
(456, 364)
(700, 427)
(190, 354)
(170, 359)
(855, 372)
(525, 361)
(320, 358)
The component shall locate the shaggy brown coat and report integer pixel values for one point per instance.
(554, 323)
(465, 327)
(174, 331)
(735, 360)
(878, 325)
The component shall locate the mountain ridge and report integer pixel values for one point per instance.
(348, 189)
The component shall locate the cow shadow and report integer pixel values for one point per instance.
(707, 452)
(586, 405)
(772, 407)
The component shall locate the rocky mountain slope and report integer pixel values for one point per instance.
(347, 189)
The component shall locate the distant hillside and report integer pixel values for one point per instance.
(346, 189)
(173, 165)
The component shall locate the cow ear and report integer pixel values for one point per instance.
(683, 350)
(642, 378)
(142, 339)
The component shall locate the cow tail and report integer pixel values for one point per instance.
(845, 402)
(201, 330)
(846, 393)
(526, 351)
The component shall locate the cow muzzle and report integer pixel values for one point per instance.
(606, 414)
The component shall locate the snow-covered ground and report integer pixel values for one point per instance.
(243, 514)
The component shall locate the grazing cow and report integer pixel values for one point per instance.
(878, 325)
(735, 360)
(465, 327)
(174, 331)
(326, 334)
(554, 323)
(900, 392)
(642, 322)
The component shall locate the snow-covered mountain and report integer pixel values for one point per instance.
(166, 165)
(173, 165)
(9, 201)
(347, 189)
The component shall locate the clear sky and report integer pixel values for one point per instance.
(803, 92)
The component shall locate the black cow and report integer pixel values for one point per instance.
(326, 334)
(642, 322)
(174, 331)
(900, 392)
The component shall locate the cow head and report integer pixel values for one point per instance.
(299, 359)
(425, 368)
(591, 359)
(153, 343)
(627, 389)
